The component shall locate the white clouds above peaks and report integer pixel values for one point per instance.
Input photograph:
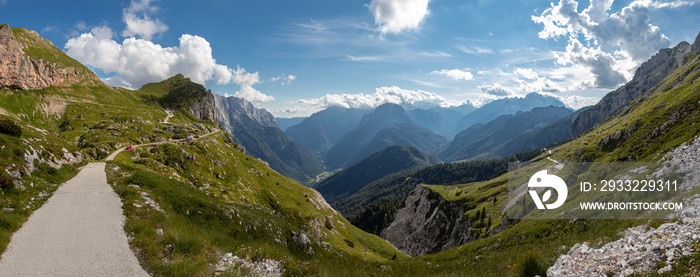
(138, 61)
(496, 90)
(382, 95)
(609, 45)
(396, 16)
(455, 74)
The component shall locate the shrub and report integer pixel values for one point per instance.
(5, 180)
(10, 128)
(530, 267)
(350, 243)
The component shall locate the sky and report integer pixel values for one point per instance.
(294, 58)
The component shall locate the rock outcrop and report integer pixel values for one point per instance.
(646, 79)
(428, 224)
(233, 108)
(638, 252)
(641, 250)
(205, 109)
(23, 72)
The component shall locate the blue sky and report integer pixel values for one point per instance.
(297, 57)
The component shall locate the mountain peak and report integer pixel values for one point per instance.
(648, 76)
(28, 61)
(6, 33)
(389, 108)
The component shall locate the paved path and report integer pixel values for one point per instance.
(78, 232)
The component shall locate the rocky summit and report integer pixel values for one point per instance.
(24, 68)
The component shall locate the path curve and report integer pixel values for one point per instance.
(79, 231)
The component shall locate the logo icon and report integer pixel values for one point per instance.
(542, 180)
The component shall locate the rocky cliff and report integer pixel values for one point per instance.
(233, 108)
(428, 224)
(205, 109)
(26, 64)
(646, 79)
(257, 130)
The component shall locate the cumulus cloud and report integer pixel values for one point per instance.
(139, 61)
(610, 45)
(601, 64)
(382, 95)
(455, 74)
(253, 95)
(496, 90)
(139, 21)
(540, 84)
(395, 16)
(526, 73)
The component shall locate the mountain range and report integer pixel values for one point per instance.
(387, 125)
(486, 141)
(320, 131)
(342, 136)
(197, 203)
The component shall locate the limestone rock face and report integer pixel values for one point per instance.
(234, 108)
(646, 79)
(205, 109)
(428, 224)
(696, 45)
(19, 71)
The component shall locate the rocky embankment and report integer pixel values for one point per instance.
(642, 249)
(428, 224)
(20, 71)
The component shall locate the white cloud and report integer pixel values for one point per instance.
(455, 74)
(253, 95)
(286, 80)
(139, 22)
(139, 61)
(395, 16)
(382, 95)
(117, 81)
(238, 76)
(601, 64)
(527, 73)
(661, 4)
(609, 45)
(541, 84)
(294, 112)
(496, 90)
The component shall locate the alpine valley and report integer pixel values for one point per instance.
(214, 186)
